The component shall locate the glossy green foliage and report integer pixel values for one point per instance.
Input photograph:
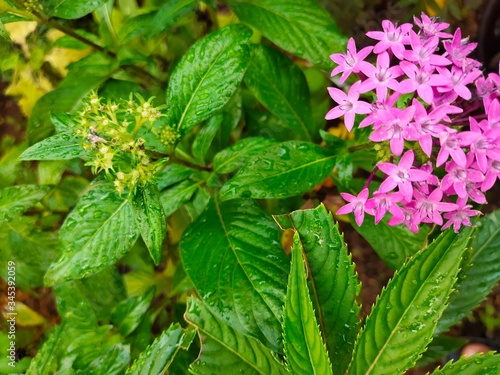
(232, 256)
(233, 158)
(15, 200)
(61, 146)
(150, 219)
(333, 282)
(44, 362)
(190, 123)
(305, 351)
(286, 169)
(69, 9)
(89, 234)
(159, 356)
(281, 87)
(83, 76)
(129, 313)
(175, 196)
(154, 22)
(226, 350)
(394, 244)
(402, 321)
(205, 138)
(207, 76)
(478, 364)
(479, 275)
(300, 27)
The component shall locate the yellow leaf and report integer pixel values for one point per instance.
(28, 88)
(60, 58)
(19, 31)
(26, 317)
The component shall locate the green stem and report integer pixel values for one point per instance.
(132, 69)
(364, 146)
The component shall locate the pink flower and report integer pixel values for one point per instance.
(394, 126)
(484, 145)
(428, 209)
(349, 62)
(393, 38)
(381, 203)
(406, 218)
(421, 80)
(380, 77)
(492, 173)
(402, 175)
(348, 106)
(431, 27)
(458, 49)
(460, 216)
(422, 52)
(451, 145)
(356, 205)
(458, 80)
(458, 177)
(426, 126)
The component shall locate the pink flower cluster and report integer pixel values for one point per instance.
(438, 114)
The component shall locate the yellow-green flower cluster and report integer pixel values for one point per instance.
(111, 132)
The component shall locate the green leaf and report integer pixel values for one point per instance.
(153, 23)
(286, 169)
(243, 275)
(103, 302)
(69, 9)
(333, 282)
(237, 155)
(440, 347)
(478, 364)
(129, 313)
(305, 350)
(43, 363)
(32, 247)
(99, 231)
(172, 174)
(205, 137)
(174, 197)
(334, 143)
(15, 200)
(197, 205)
(69, 42)
(4, 35)
(479, 275)
(83, 76)
(405, 315)
(281, 86)
(150, 219)
(224, 349)
(111, 362)
(394, 244)
(63, 122)
(168, 14)
(61, 146)
(300, 27)
(231, 117)
(207, 76)
(159, 355)
(344, 168)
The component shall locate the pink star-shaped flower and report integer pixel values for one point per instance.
(349, 62)
(349, 105)
(356, 205)
(402, 175)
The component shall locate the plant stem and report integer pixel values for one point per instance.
(132, 69)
